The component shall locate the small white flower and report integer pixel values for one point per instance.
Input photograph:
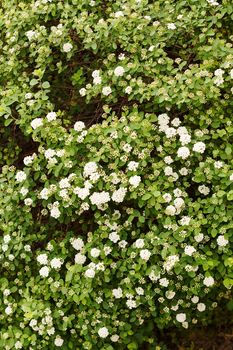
(114, 338)
(145, 254)
(171, 26)
(128, 90)
(189, 250)
(95, 73)
(82, 92)
(114, 237)
(199, 147)
(42, 259)
(106, 90)
(18, 345)
(95, 252)
(195, 299)
(51, 116)
(201, 307)
(36, 123)
(170, 210)
(77, 243)
(20, 176)
(103, 332)
(204, 190)
(183, 152)
(117, 293)
(80, 259)
(222, 241)
(28, 201)
(208, 281)
(58, 341)
(198, 238)
(167, 197)
(8, 310)
(55, 212)
(44, 271)
(44, 194)
(119, 195)
(67, 47)
(79, 126)
(56, 263)
(135, 180)
(131, 304)
(231, 177)
(119, 71)
(30, 34)
(164, 282)
(6, 239)
(132, 165)
(90, 273)
(28, 160)
(181, 317)
(139, 243)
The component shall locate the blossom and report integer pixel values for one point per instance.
(20, 176)
(145, 254)
(82, 91)
(18, 345)
(64, 183)
(82, 193)
(114, 237)
(131, 304)
(222, 241)
(80, 259)
(208, 281)
(114, 338)
(30, 34)
(90, 273)
(42, 259)
(199, 147)
(36, 123)
(167, 197)
(89, 168)
(183, 152)
(119, 71)
(95, 252)
(44, 271)
(55, 212)
(204, 190)
(103, 332)
(79, 126)
(181, 317)
(195, 299)
(139, 243)
(56, 263)
(164, 282)
(67, 47)
(171, 26)
(77, 243)
(8, 310)
(119, 195)
(128, 90)
(198, 238)
(51, 116)
(189, 250)
(99, 198)
(28, 201)
(117, 293)
(106, 90)
(170, 210)
(58, 341)
(201, 307)
(44, 194)
(135, 180)
(28, 160)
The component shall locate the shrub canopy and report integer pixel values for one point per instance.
(116, 170)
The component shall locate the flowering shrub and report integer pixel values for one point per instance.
(116, 191)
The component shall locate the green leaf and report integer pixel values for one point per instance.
(230, 195)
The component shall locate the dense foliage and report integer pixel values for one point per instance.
(116, 170)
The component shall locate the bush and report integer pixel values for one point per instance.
(116, 184)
